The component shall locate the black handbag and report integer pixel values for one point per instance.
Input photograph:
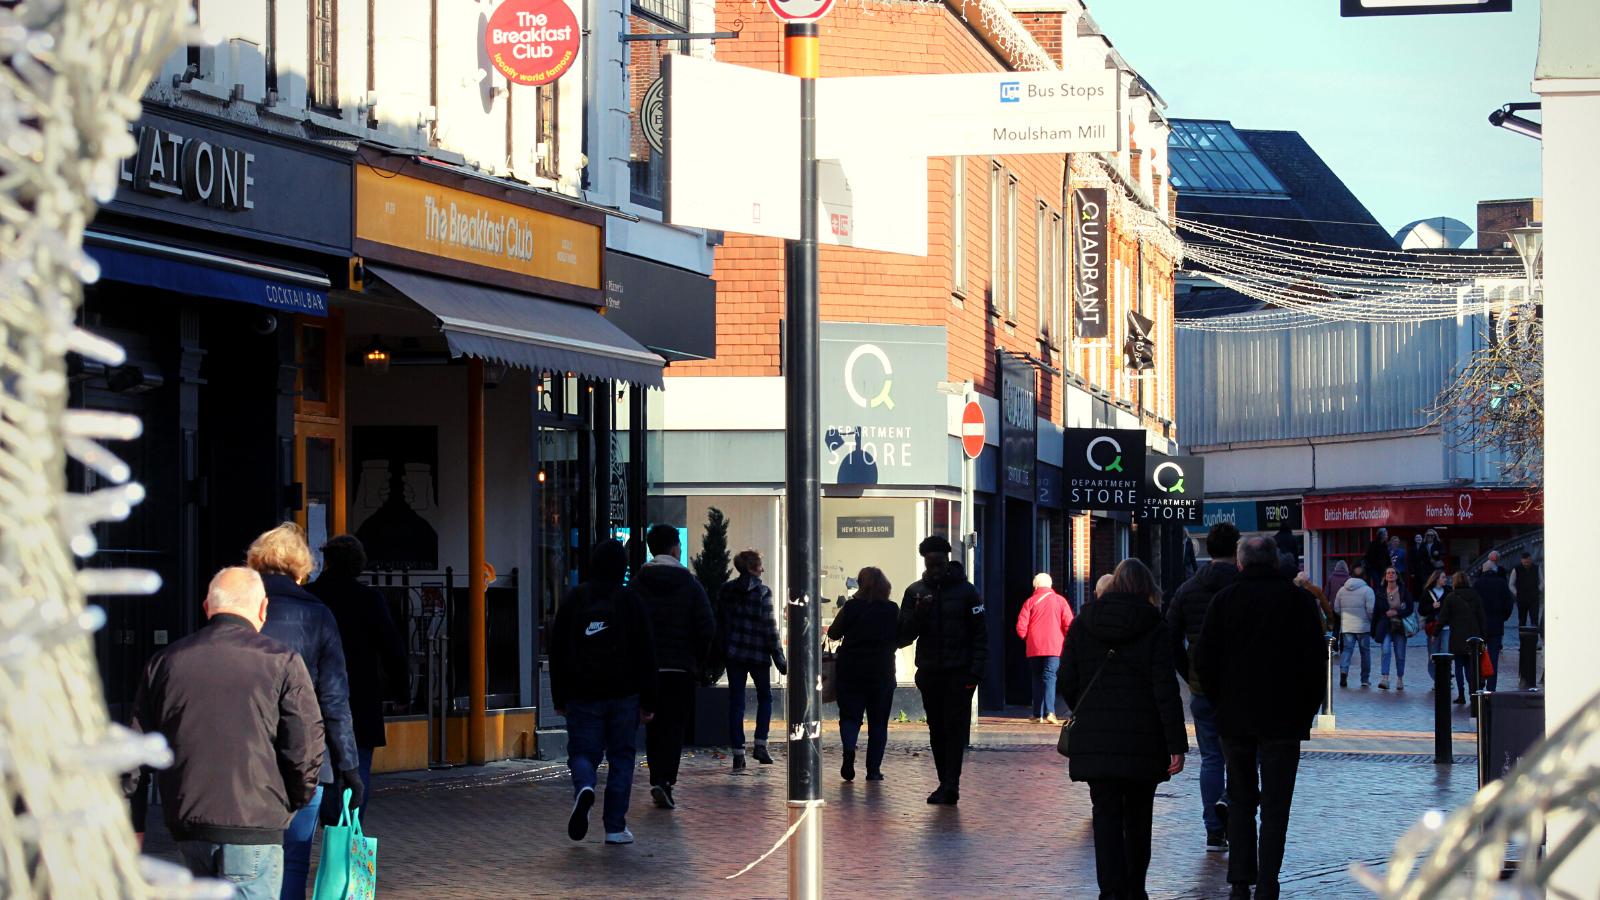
(1064, 742)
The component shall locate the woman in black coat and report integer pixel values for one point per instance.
(374, 653)
(865, 670)
(1127, 732)
(1462, 612)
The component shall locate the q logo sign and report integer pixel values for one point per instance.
(1115, 465)
(532, 42)
(882, 398)
(1176, 487)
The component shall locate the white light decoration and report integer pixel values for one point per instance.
(70, 84)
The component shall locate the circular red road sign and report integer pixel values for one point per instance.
(972, 428)
(532, 42)
(800, 10)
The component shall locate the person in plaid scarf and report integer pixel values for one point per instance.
(753, 647)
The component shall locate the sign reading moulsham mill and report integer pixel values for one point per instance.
(1089, 264)
(1174, 489)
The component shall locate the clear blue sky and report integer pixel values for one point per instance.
(1396, 105)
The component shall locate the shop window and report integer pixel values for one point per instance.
(547, 127)
(322, 90)
(646, 167)
(319, 427)
(997, 237)
(1043, 269)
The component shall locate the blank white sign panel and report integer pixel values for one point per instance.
(874, 203)
(733, 148)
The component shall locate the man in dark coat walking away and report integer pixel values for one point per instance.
(1498, 605)
(240, 714)
(374, 653)
(680, 616)
(1377, 557)
(1185, 615)
(603, 681)
(1528, 586)
(1264, 667)
(943, 614)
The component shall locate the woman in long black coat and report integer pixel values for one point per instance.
(1127, 734)
(1461, 611)
(865, 669)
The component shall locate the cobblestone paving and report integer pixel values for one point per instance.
(1022, 828)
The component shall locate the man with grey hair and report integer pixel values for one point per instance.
(1263, 666)
(206, 694)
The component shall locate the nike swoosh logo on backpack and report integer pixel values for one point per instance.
(595, 628)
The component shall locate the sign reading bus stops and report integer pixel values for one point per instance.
(800, 10)
(532, 42)
(972, 430)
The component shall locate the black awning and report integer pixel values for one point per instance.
(670, 310)
(526, 331)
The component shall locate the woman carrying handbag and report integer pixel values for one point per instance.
(1125, 734)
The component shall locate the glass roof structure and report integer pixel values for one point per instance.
(1210, 157)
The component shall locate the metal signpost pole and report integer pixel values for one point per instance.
(802, 487)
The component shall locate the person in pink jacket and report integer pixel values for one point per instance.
(1042, 625)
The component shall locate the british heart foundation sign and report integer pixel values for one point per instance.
(532, 42)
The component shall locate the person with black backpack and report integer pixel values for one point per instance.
(603, 680)
(680, 615)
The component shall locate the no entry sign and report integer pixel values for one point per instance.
(800, 10)
(972, 429)
(532, 42)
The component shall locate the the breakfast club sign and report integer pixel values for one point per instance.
(1103, 468)
(532, 42)
(1174, 489)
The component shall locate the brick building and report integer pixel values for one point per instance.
(989, 295)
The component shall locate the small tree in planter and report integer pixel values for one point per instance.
(712, 563)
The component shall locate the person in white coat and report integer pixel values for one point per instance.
(1354, 604)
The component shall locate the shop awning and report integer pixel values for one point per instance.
(191, 271)
(526, 331)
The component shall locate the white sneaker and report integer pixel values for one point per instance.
(621, 837)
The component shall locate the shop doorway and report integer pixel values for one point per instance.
(1020, 567)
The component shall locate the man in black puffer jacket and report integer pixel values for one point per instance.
(943, 613)
(680, 614)
(1264, 666)
(1185, 614)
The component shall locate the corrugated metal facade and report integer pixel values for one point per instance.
(1336, 378)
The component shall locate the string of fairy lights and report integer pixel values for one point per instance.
(1308, 283)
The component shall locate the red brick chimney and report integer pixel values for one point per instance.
(1045, 24)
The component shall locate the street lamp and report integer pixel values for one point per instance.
(1529, 241)
(1506, 117)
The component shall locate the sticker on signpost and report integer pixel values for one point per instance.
(532, 42)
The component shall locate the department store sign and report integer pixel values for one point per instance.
(1174, 489)
(883, 422)
(441, 221)
(1103, 467)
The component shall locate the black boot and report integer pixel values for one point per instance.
(738, 763)
(1344, 679)
(848, 770)
(759, 751)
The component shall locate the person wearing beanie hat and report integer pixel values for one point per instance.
(943, 614)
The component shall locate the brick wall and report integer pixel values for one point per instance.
(870, 286)
(1495, 216)
(1046, 29)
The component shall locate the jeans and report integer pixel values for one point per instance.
(256, 870)
(296, 868)
(1438, 642)
(1492, 649)
(663, 736)
(1276, 761)
(761, 677)
(1122, 813)
(947, 700)
(1044, 669)
(1351, 641)
(876, 701)
(1393, 645)
(1528, 611)
(1213, 766)
(597, 728)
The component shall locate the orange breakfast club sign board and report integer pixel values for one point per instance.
(426, 219)
(532, 42)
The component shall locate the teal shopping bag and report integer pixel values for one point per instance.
(349, 866)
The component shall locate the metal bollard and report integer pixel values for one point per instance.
(1528, 658)
(1325, 722)
(1475, 651)
(1443, 753)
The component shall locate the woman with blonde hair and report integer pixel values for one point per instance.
(300, 620)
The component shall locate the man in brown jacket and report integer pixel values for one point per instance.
(237, 708)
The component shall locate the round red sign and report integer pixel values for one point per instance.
(532, 42)
(800, 10)
(972, 427)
